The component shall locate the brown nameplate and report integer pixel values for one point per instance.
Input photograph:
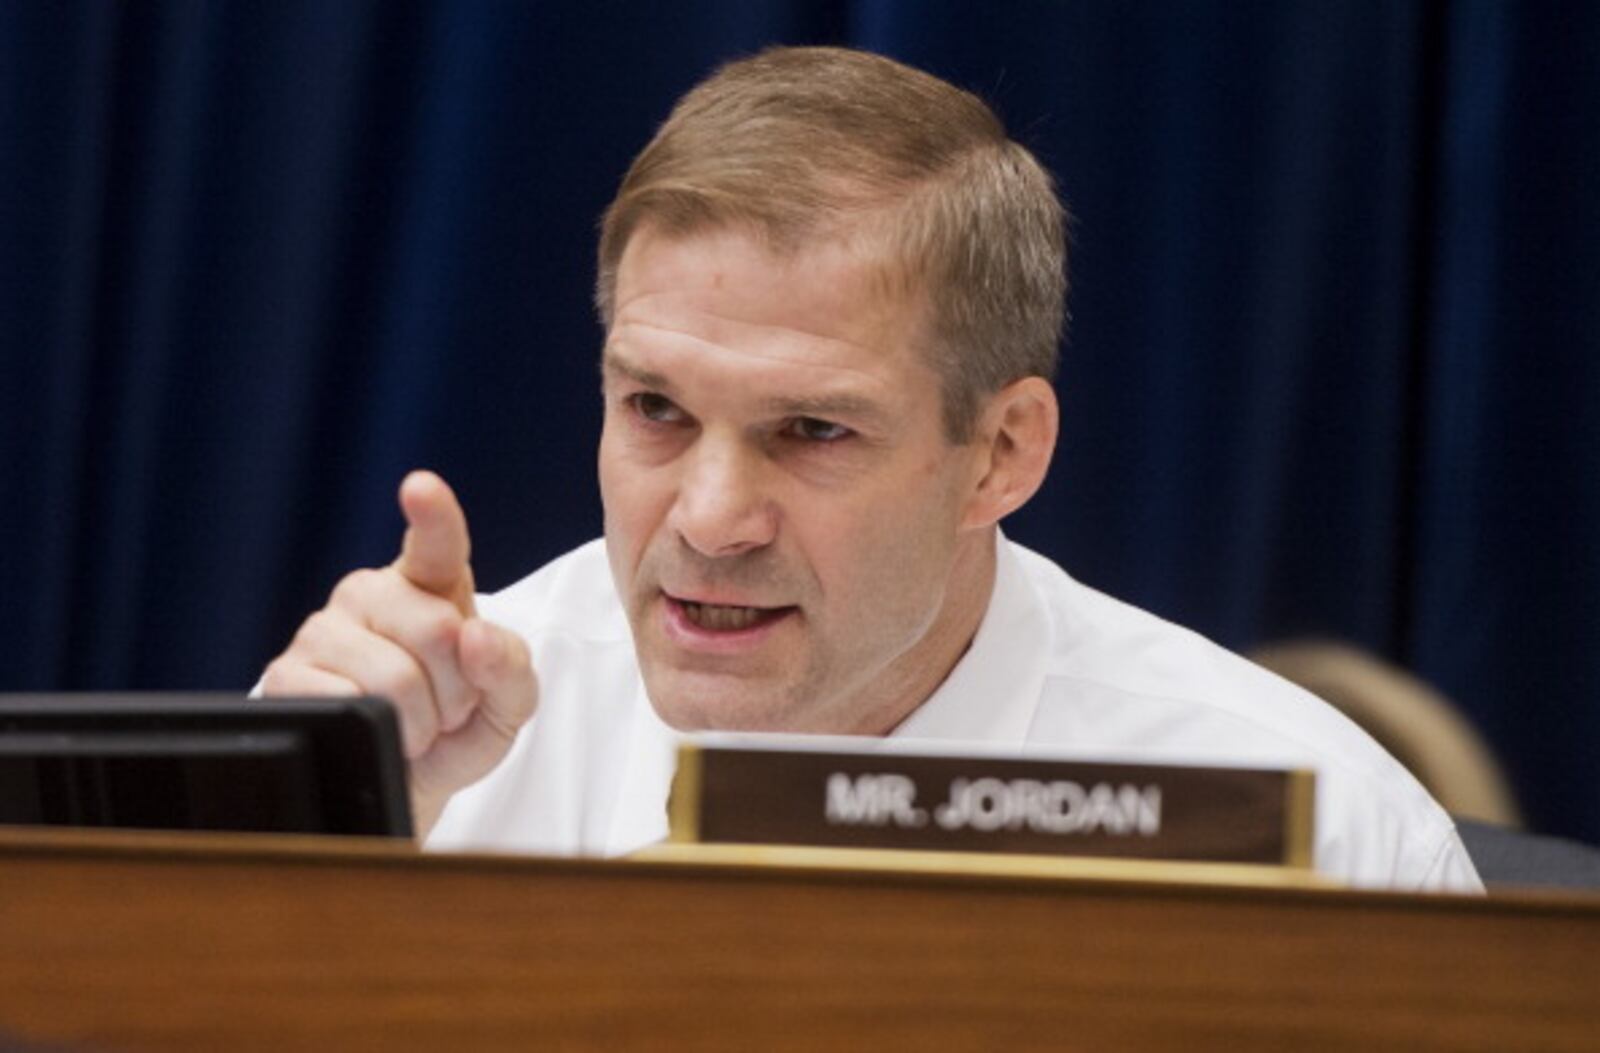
(890, 799)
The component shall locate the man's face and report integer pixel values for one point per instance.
(784, 516)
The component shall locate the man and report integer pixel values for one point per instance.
(832, 290)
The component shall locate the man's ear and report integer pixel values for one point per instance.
(1016, 437)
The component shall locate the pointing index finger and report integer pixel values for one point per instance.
(435, 553)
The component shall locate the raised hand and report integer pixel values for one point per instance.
(410, 632)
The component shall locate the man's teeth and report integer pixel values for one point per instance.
(722, 619)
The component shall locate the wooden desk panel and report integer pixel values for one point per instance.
(212, 943)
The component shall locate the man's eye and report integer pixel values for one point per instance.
(813, 430)
(656, 408)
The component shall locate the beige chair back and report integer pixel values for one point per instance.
(1415, 723)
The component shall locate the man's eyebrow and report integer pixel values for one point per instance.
(611, 362)
(852, 407)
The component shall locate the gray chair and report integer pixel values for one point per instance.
(1512, 857)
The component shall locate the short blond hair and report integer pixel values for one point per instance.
(806, 144)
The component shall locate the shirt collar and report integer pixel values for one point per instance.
(991, 694)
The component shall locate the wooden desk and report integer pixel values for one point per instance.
(217, 943)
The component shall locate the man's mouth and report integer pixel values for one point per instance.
(727, 618)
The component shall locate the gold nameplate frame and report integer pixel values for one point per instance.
(881, 799)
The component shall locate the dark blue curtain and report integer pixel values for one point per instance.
(1336, 314)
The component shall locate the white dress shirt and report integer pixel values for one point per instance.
(1055, 669)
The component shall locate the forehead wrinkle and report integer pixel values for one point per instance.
(748, 356)
(719, 319)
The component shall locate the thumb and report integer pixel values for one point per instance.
(436, 549)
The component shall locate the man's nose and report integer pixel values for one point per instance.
(722, 508)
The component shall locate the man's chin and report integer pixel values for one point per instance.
(697, 701)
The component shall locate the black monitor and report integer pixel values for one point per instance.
(203, 762)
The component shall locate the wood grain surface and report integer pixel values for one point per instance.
(122, 942)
